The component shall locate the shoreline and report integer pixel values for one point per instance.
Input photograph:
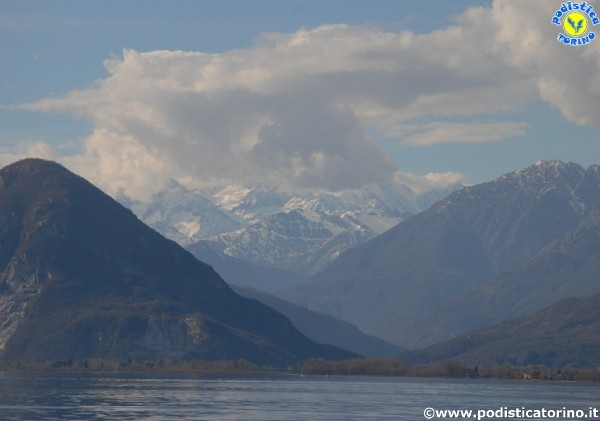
(376, 367)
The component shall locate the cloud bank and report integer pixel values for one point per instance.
(296, 110)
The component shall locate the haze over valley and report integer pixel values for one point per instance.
(266, 183)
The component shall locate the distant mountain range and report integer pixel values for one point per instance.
(500, 272)
(484, 254)
(297, 232)
(81, 277)
(183, 215)
(487, 252)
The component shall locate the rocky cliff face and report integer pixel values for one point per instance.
(82, 277)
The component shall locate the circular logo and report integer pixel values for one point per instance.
(575, 24)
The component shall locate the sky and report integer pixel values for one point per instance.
(313, 95)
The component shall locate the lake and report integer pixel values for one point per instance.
(124, 396)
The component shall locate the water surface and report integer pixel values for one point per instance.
(124, 396)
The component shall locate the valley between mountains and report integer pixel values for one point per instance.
(506, 271)
(483, 254)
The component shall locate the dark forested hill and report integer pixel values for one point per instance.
(82, 277)
(564, 334)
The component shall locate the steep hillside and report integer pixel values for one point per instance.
(563, 334)
(322, 328)
(568, 267)
(82, 277)
(460, 243)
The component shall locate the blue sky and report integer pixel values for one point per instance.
(526, 97)
(51, 47)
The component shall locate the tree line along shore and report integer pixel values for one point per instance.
(322, 367)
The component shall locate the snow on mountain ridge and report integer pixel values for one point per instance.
(297, 231)
(308, 230)
(250, 203)
(544, 173)
(290, 240)
(229, 197)
(184, 215)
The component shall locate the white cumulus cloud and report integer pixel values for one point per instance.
(296, 109)
(444, 132)
(23, 150)
(430, 181)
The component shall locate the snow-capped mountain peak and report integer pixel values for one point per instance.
(250, 203)
(296, 231)
(184, 215)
